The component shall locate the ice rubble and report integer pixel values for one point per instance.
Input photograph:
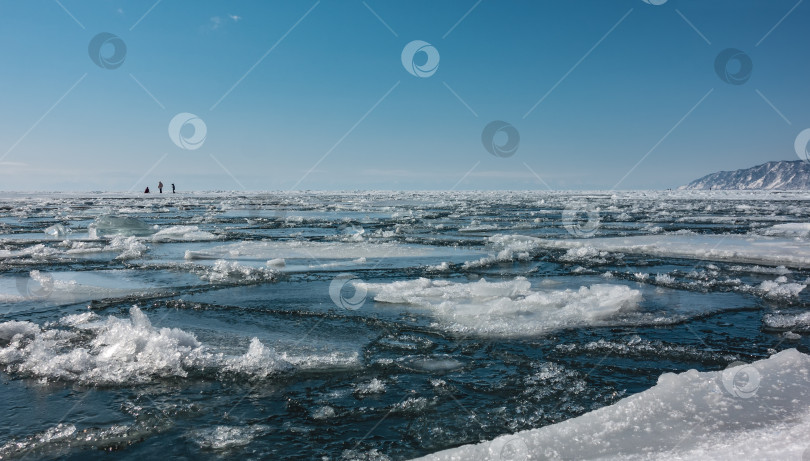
(132, 350)
(689, 416)
(183, 234)
(225, 437)
(232, 272)
(732, 248)
(130, 247)
(509, 308)
(795, 322)
(60, 440)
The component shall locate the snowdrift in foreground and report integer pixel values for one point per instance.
(757, 411)
(507, 309)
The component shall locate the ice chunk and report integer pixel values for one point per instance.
(13, 328)
(225, 437)
(509, 308)
(114, 225)
(688, 416)
(375, 386)
(779, 288)
(132, 350)
(233, 272)
(795, 322)
(130, 247)
(277, 262)
(183, 234)
(57, 230)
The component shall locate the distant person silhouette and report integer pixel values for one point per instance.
(147, 190)
(160, 186)
(172, 188)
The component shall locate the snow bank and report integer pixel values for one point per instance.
(757, 411)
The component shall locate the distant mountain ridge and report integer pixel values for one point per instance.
(779, 175)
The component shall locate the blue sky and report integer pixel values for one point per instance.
(314, 95)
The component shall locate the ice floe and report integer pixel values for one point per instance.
(756, 411)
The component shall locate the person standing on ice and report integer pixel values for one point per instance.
(172, 188)
(160, 186)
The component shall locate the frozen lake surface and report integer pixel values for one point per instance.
(396, 325)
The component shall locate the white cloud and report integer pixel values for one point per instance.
(217, 22)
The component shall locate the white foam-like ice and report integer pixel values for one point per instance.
(233, 272)
(225, 437)
(375, 386)
(796, 322)
(58, 441)
(38, 251)
(780, 288)
(130, 247)
(131, 350)
(510, 308)
(687, 416)
(507, 248)
(183, 234)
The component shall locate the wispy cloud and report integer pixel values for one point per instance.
(217, 22)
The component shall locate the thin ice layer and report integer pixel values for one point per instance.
(510, 308)
(757, 411)
(267, 250)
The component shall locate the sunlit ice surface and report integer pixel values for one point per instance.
(395, 325)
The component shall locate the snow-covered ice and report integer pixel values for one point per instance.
(756, 411)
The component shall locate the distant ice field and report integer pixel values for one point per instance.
(398, 325)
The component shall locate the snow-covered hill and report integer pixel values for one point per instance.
(781, 175)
